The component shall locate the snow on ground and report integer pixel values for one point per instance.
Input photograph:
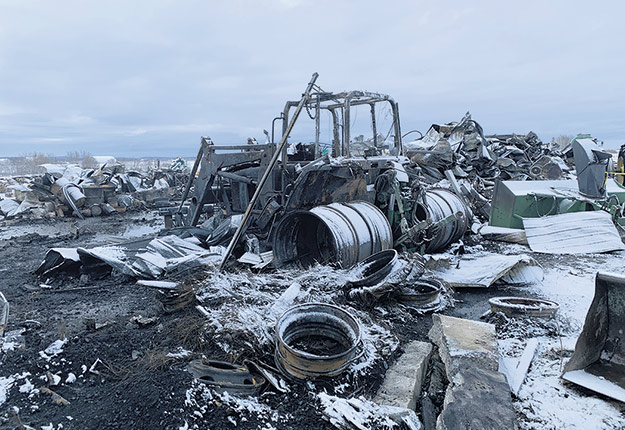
(572, 283)
(251, 307)
(135, 231)
(545, 401)
(199, 397)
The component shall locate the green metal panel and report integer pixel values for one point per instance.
(514, 200)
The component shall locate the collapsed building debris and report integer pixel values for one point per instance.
(463, 146)
(548, 209)
(573, 233)
(145, 258)
(514, 201)
(484, 271)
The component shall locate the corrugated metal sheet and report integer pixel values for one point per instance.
(573, 233)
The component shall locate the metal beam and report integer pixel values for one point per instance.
(272, 163)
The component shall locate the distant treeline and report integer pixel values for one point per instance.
(29, 164)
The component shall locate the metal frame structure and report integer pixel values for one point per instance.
(339, 106)
(229, 175)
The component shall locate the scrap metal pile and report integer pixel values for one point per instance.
(68, 190)
(327, 234)
(463, 147)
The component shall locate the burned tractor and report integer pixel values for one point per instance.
(335, 197)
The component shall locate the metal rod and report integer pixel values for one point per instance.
(317, 126)
(398, 142)
(273, 125)
(347, 150)
(246, 147)
(200, 153)
(270, 166)
(373, 125)
(235, 177)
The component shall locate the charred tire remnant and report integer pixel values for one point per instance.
(421, 292)
(523, 306)
(375, 268)
(438, 204)
(316, 340)
(339, 233)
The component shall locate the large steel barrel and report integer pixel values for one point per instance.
(339, 233)
(439, 203)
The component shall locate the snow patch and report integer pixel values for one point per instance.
(54, 349)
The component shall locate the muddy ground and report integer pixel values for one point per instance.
(134, 384)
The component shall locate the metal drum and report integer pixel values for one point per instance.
(339, 233)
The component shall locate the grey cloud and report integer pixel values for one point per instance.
(146, 76)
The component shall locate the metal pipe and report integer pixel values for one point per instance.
(270, 166)
(339, 233)
(196, 165)
(317, 126)
(374, 126)
(398, 142)
(273, 124)
(336, 141)
(347, 150)
(236, 178)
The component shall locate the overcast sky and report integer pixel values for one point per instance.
(143, 78)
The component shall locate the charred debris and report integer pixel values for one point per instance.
(71, 191)
(343, 223)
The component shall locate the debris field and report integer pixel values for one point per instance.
(458, 280)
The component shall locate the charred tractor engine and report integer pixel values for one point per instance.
(335, 189)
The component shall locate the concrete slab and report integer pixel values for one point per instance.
(459, 338)
(403, 380)
(478, 396)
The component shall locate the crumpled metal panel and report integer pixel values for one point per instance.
(591, 163)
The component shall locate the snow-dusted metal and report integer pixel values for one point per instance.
(339, 233)
(316, 340)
